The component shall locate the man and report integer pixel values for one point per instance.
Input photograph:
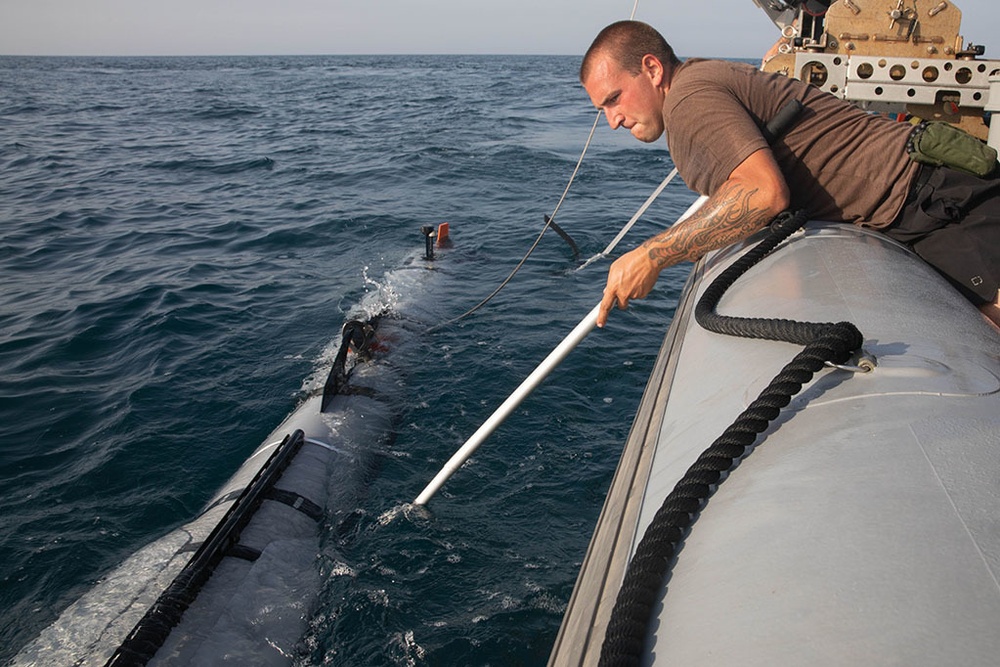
(837, 161)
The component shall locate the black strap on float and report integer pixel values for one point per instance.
(152, 630)
(625, 636)
(357, 336)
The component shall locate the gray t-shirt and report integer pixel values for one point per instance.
(841, 163)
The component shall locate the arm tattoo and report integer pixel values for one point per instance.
(726, 217)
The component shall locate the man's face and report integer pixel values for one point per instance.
(634, 102)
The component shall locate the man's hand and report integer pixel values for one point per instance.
(631, 276)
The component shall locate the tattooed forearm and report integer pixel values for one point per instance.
(726, 217)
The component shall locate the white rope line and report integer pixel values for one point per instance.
(586, 146)
(324, 445)
(309, 441)
(576, 169)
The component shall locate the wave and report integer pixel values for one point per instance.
(214, 166)
(227, 111)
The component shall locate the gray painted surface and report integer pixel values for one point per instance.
(864, 527)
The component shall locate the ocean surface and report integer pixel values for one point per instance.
(183, 239)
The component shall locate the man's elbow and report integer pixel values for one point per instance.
(761, 178)
(780, 199)
(772, 196)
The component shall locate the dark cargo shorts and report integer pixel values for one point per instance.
(952, 220)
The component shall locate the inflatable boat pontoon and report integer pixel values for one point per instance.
(863, 525)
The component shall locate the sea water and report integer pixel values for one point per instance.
(183, 239)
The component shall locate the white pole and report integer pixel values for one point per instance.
(507, 407)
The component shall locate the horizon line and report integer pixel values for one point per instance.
(310, 55)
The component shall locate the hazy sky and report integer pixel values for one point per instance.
(728, 28)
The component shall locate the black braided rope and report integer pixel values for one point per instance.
(625, 636)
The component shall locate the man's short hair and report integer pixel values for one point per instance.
(627, 42)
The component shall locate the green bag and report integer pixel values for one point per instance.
(938, 143)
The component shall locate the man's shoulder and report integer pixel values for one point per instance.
(697, 77)
(708, 67)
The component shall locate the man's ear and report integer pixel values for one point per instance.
(653, 68)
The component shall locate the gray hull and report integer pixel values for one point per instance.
(864, 526)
